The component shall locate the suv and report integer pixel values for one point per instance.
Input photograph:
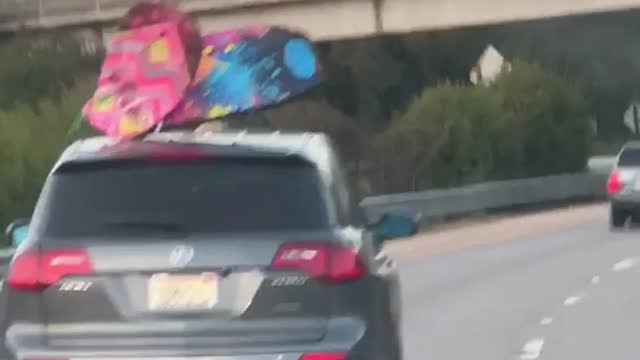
(623, 186)
(200, 246)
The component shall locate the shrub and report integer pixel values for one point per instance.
(530, 123)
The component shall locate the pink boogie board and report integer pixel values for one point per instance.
(143, 77)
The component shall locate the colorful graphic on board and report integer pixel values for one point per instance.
(143, 77)
(247, 69)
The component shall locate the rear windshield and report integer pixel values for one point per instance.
(208, 196)
(629, 157)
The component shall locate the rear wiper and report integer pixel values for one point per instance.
(148, 226)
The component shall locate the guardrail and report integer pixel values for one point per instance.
(490, 196)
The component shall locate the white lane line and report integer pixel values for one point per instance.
(595, 279)
(532, 349)
(625, 264)
(546, 321)
(572, 300)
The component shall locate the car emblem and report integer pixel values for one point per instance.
(181, 255)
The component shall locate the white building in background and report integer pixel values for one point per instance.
(488, 67)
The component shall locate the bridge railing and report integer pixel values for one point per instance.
(33, 11)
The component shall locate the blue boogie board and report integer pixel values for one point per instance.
(248, 69)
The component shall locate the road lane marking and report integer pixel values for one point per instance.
(532, 349)
(595, 280)
(546, 321)
(625, 264)
(572, 300)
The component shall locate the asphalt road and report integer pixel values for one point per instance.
(569, 294)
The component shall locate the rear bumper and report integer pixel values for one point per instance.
(347, 335)
(626, 197)
(350, 355)
(241, 357)
(625, 204)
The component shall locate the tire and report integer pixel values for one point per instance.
(617, 218)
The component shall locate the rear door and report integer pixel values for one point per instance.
(179, 254)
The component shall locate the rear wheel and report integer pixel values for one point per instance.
(617, 218)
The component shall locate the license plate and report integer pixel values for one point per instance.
(182, 292)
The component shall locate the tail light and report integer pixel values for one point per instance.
(327, 262)
(34, 270)
(324, 356)
(614, 183)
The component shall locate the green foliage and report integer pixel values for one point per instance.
(41, 67)
(30, 142)
(530, 123)
(46, 79)
(548, 117)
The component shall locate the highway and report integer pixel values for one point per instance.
(547, 291)
(555, 286)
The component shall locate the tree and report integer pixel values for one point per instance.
(548, 116)
(30, 142)
(446, 133)
(43, 66)
(530, 123)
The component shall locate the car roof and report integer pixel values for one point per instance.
(313, 147)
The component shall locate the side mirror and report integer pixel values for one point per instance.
(17, 231)
(392, 226)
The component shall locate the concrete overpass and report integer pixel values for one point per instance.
(321, 19)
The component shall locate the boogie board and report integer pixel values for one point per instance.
(159, 71)
(143, 77)
(146, 71)
(151, 13)
(246, 69)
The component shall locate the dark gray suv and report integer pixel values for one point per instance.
(202, 247)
